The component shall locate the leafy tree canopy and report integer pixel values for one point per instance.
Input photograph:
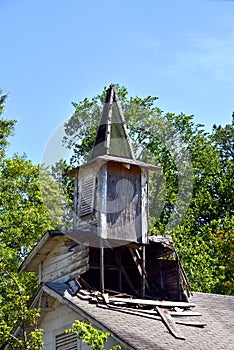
(6, 126)
(23, 220)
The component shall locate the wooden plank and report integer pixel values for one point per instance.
(119, 253)
(72, 275)
(128, 310)
(143, 281)
(105, 297)
(184, 276)
(185, 313)
(190, 323)
(131, 285)
(102, 271)
(169, 322)
(144, 206)
(140, 268)
(75, 212)
(68, 261)
(101, 210)
(160, 303)
(65, 272)
(62, 253)
(83, 297)
(40, 267)
(162, 278)
(153, 312)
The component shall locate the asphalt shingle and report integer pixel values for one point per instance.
(145, 332)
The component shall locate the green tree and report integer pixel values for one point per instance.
(222, 226)
(6, 126)
(23, 220)
(209, 221)
(93, 337)
(18, 326)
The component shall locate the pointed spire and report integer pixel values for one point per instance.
(112, 137)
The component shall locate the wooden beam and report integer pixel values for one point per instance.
(162, 279)
(143, 281)
(193, 324)
(119, 271)
(184, 313)
(131, 285)
(75, 211)
(152, 312)
(183, 275)
(102, 277)
(169, 322)
(132, 311)
(105, 297)
(141, 268)
(160, 303)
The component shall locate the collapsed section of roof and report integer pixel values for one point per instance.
(57, 258)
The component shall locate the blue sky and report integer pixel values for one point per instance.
(54, 52)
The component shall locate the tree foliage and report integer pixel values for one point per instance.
(18, 326)
(93, 337)
(23, 220)
(6, 126)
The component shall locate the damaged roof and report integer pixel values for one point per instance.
(48, 241)
(135, 330)
(145, 331)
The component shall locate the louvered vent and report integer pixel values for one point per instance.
(87, 195)
(66, 342)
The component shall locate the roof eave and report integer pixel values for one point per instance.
(39, 252)
(106, 158)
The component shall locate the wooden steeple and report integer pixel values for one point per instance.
(112, 136)
(111, 189)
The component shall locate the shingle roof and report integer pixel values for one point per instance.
(145, 332)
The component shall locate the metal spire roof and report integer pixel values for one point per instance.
(112, 137)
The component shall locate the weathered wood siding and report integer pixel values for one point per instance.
(112, 200)
(123, 206)
(164, 279)
(144, 206)
(66, 261)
